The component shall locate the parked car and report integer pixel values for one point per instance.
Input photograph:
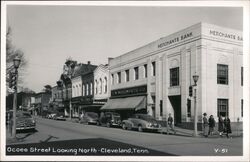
(52, 116)
(110, 119)
(141, 122)
(89, 118)
(59, 117)
(24, 121)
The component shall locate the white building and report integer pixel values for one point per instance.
(101, 86)
(157, 76)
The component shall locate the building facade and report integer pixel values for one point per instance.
(42, 101)
(82, 88)
(101, 86)
(156, 77)
(57, 100)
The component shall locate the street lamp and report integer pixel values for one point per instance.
(195, 78)
(16, 62)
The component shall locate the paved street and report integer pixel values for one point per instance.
(51, 130)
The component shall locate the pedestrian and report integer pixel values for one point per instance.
(211, 123)
(220, 125)
(170, 123)
(205, 125)
(227, 126)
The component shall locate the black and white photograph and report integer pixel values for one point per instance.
(124, 81)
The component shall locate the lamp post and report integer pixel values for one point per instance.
(16, 62)
(195, 78)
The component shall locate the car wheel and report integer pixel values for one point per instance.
(108, 125)
(140, 128)
(124, 126)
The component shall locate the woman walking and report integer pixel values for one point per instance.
(227, 126)
(211, 123)
(205, 125)
(220, 125)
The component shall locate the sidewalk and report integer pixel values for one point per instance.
(183, 132)
(189, 133)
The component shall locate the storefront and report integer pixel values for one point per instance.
(127, 101)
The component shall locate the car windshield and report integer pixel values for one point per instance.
(146, 117)
(93, 115)
(116, 114)
(23, 114)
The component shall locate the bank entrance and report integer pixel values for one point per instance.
(176, 104)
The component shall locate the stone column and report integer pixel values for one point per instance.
(157, 86)
(149, 98)
(184, 83)
(164, 86)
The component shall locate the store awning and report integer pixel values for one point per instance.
(137, 103)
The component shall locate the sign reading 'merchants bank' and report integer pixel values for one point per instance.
(175, 40)
(190, 34)
(225, 35)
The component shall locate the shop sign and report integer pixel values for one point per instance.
(129, 91)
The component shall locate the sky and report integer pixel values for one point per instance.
(48, 35)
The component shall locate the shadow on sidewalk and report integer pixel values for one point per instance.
(21, 135)
(48, 139)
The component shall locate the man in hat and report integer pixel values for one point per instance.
(205, 125)
(170, 124)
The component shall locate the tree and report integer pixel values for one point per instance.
(48, 88)
(11, 53)
(68, 71)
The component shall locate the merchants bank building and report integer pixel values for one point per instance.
(156, 78)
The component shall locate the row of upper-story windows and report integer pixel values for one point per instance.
(101, 86)
(222, 74)
(82, 90)
(135, 74)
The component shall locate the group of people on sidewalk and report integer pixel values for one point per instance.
(224, 126)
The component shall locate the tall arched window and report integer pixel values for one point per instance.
(74, 91)
(106, 85)
(83, 90)
(87, 89)
(80, 90)
(91, 87)
(96, 87)
(100, 85)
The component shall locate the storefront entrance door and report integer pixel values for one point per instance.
(176, 104)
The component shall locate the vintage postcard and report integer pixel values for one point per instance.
(125, 81)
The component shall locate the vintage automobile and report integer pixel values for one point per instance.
(51, 116)
(141, 122)
(24, 121)
(89, 118)
(110, 119)
(59, 117)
